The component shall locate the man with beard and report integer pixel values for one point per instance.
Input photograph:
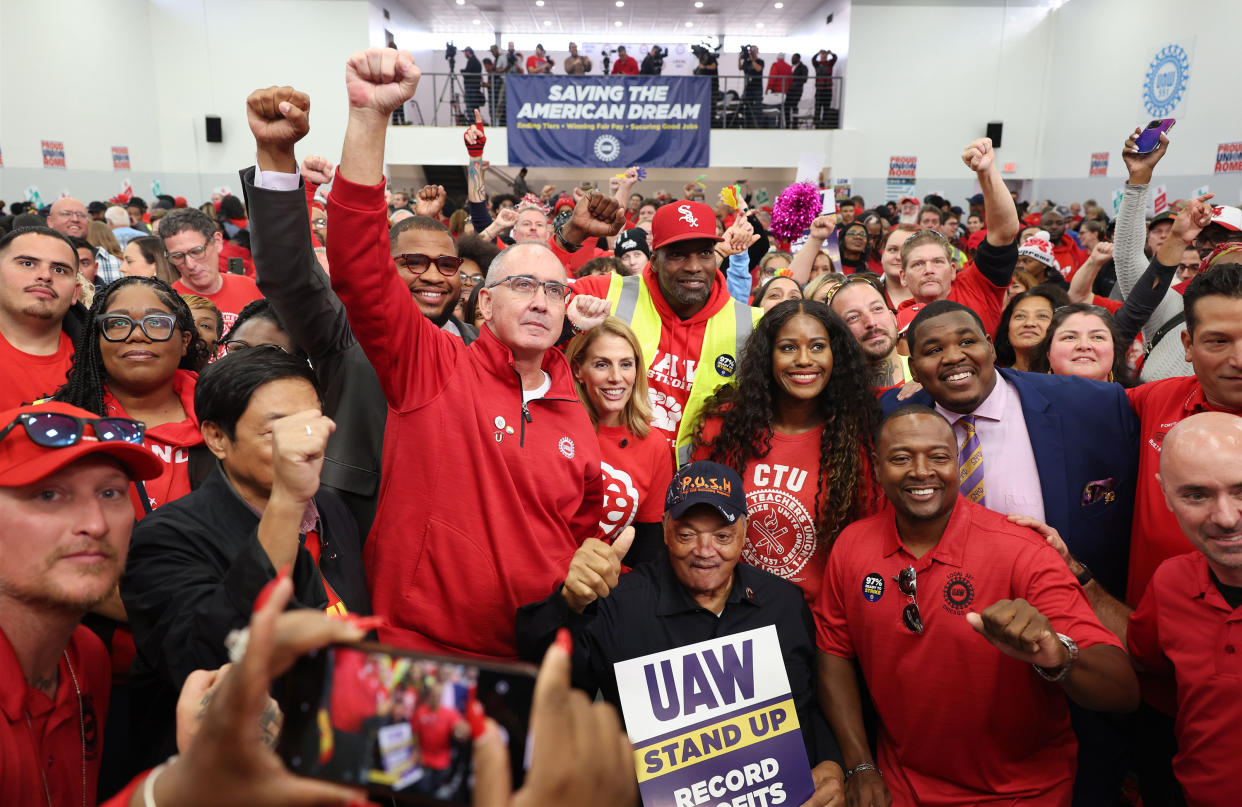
(291, 277)
(861, 306)
(1068, 254)
(67, 522)
(39, 320)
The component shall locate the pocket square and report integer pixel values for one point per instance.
(1101, 490)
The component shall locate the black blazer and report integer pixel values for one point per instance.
(195, 567)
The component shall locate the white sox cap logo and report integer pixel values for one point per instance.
(687, 216)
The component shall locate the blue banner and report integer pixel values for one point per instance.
(598, 121)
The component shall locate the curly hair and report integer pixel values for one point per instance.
(847, 408)
(88, 377)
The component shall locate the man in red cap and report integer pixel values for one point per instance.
(64, 481)
(691, 330)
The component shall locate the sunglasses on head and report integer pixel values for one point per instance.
(58, 430)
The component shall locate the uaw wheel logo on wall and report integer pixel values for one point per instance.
(607, 148)
(1165, 83)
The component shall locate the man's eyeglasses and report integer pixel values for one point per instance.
(57, 430)
(196, 253)
(234, 345)
(907, 583)
(417, 263)
(73, 214)
(118, 327)
(473, 280)
(525, 286)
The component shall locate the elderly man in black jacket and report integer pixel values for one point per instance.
(197, 564)
(290, 276)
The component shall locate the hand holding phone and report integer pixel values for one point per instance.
(1149, 138)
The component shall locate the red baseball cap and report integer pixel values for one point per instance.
(905, 315)
(179, 201)
(683, 221)
(24, 462)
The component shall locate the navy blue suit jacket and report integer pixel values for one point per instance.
(1085, 438)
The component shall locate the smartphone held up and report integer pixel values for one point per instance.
(1149, 138)
(399, 724)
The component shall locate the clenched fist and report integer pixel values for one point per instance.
(595, 216)
(979, 156)
(380, 79)
(278, 118)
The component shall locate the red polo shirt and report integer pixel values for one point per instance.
(958, 718)
(1154, 535)
(51, 736)
(1184, 628)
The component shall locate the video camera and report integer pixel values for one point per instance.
(746, 51)
(450, 53)
(704, 53)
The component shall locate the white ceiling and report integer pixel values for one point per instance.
(600, 17)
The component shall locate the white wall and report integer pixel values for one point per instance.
(145, 73)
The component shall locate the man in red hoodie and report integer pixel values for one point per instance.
(491, 466)
(690, 329)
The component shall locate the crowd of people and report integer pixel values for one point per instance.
(979, 465)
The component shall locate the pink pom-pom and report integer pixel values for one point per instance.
(794, 210)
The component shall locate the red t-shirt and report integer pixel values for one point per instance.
(535, 63)
(781, 489)
(958, 718)
(1154, 534)
(636, 475)
(434, 728)
(1069, 256)
(625, 66)
(357, 691)
(28, 377)
(171, 442)
(52, 742)
(231, 298)
(1184, 628)
(973, 290)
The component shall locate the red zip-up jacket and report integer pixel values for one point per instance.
(670, 372)
(483, 500)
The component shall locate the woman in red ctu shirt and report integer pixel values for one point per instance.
(637, 463)
(135, 359)
(797, 426)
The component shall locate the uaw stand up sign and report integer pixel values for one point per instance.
(714, 724)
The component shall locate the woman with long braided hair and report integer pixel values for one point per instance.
(798, 427)
(135, 358)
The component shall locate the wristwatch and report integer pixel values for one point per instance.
(1085, 576)
(1060, 673)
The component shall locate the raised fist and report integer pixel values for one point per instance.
(595, 216)
(430, 201)
(822, 227)
(979, 156)
(1102, 252)
(587, 312)
(278, 117)
(317, 170)
(298, 443)
(380, 79)
(507, 217)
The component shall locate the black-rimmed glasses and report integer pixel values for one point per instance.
(907, 583)
(118, 327)
(526, 286)
(58, 430)
(417, 263)
(234, 345)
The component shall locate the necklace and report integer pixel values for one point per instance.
(81, 733)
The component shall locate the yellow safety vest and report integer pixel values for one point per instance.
(723, 339)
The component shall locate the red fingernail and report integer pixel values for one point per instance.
(283, 571)
(564, 641)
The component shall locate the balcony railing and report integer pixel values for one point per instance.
(441, 101)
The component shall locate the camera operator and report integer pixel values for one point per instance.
(472, 82)
(496, 67)
(653, 62)
(540, 64)
(823, 62)
(708, 65)
(625, 65)
(752, 96)
(576, 64)
(509, 62)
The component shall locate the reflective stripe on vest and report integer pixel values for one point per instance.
(723, 339)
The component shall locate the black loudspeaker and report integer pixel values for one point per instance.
(215, 135)
(994, 133)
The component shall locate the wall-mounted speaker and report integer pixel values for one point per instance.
(214, 133)
(994, 133)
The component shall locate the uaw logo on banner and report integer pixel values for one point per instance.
(1167, 79)
(120, 158)
(1099, 164)
(714, 723)
(1228, 158)
(579, 121)
(53, 153)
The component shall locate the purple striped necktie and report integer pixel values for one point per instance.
(970, 461)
